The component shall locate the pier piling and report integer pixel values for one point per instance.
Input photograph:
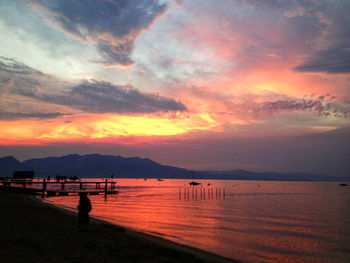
(44, 189)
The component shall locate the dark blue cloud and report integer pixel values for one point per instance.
(89, 96)
(112, 26)
(5, 115)
(335, 56)
(116, 54)
(103, 97)
(334, 60)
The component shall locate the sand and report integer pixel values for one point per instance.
(34, 231)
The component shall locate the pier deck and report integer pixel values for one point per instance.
(105, 187)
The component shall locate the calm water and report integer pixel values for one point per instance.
(253, 221)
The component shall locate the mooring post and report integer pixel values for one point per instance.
(80, 186)
(44, 189)
(106, 184)
(62, 186)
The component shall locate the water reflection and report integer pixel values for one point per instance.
(247, 220)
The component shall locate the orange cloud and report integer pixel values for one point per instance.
(96, 127)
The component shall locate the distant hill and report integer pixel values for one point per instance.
(102, 166)
(10, 164)
(96, 165)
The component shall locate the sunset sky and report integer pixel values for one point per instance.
(260, 85)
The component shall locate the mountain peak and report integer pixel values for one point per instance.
(9, 164)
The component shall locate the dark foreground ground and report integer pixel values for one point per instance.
(32, 231)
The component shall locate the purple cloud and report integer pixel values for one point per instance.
(334, 57)
(113, 26)
(89, 96)
(319, 106)
(4, 115)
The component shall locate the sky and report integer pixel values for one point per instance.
(261, 85)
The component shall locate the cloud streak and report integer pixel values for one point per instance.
(29, 115)
(112, 26)
(104, 97)
(88, 96)
(335, 60)
(320, 107)
(11, 65)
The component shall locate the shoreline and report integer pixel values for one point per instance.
(51, 234)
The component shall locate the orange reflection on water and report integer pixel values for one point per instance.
(253, 221)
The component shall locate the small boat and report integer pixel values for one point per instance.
(342, 184)
(159, 179)
(193, 182)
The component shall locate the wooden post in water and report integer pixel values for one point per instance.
(80, 186)
(62, 186)
(44, 189)
(106, 184)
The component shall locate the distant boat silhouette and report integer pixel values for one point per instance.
(193, 182)
(160, 179)
(342, 184)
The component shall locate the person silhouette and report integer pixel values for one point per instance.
(84, 208)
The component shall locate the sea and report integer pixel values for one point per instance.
(251, 221)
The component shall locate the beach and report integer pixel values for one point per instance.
(34, 231)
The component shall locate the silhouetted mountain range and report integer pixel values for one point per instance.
(102, 166)
(10, 164)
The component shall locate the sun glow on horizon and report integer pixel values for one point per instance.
(101, 127)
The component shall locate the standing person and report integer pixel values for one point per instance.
(84, 208)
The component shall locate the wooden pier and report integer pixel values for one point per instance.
(59, 188)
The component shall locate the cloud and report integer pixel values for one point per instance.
(91, 96)
(104, 97)
(320, 107)
(11, 65)
(36, 115)
(112, 26)
(330, 61)
(334, 54)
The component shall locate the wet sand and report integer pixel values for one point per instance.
(34, 231)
